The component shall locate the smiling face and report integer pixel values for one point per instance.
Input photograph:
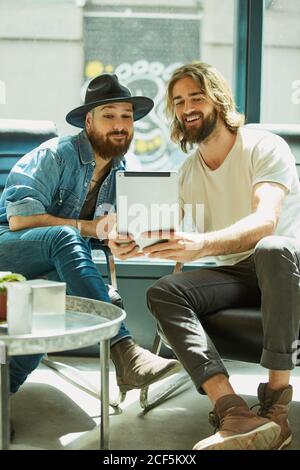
(197, 115)
(110, 129)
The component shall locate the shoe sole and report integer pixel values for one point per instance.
(285, 443)
(262, 438)
(164, 374)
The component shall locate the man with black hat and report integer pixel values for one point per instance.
(62, 194)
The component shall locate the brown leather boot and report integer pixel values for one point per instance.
(274, 405)
(136, 367)
(238, 428)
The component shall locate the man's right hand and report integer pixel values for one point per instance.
(100, 227)
(123, 246)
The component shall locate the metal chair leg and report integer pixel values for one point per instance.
(148, 404)
(112, 270)
(4, 402)
(145, 402)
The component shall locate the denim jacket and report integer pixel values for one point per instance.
(54, 179)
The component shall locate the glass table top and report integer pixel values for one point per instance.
(87, 322)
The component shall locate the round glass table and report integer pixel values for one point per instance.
(87, 322)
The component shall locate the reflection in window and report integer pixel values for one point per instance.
(281, 62)
(143, 46)
(49, 50)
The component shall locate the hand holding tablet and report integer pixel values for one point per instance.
(147, 202)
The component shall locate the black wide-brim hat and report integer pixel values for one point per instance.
(106, 88)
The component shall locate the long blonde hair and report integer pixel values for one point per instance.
(214, 86)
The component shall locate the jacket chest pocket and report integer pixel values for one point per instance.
(66, 202)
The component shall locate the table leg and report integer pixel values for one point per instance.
(104, 364)
(4, 405)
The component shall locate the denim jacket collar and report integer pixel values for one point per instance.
(86, 153)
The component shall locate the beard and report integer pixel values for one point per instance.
(105, 147)
(201, 132)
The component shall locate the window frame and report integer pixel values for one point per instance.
(248, 51)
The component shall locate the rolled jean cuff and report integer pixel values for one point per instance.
(207, 371)
(277, 361)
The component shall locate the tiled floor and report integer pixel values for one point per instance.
(51, 413)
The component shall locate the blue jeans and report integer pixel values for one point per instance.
(34, 252)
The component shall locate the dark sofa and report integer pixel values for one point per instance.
(18, 137)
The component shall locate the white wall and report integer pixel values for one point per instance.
(218, 35)
(41, 59)
(281, 65)
(41, 54)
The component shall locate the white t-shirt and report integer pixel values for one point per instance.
(225, 194)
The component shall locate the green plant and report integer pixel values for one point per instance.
(13, 277)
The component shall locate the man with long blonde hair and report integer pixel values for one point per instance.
(215, 87)
(247, 182)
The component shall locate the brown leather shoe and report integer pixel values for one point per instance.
(274, 405)
(239, 428)
(136, 367)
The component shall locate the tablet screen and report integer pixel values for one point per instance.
(147, 201)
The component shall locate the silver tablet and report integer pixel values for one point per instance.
(147, 201)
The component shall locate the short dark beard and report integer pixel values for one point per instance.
(199, 134)
(104, 147)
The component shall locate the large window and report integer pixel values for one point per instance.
(143, 44)
(41, 59)
(281, 62)
(50, 49)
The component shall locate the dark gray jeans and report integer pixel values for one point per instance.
(270, 279)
